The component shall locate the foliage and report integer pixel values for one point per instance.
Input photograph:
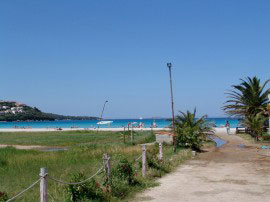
(85, 151)
(120, 188)
(2, 162)
(248, 98)
(190, 131)
(255, 123)
(3, 196)
(125, 171)
(90, 190)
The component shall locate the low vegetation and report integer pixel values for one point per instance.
(20, 168)
(191, 132)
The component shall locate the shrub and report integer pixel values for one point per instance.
(119, 188)
(3, 162)
(154, 162)
(255, 124)
(123, 178)
(90, 190)
(125, 171)
(190, 131)
(3, 196)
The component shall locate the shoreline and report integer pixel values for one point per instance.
(76, 129)
(93, 129)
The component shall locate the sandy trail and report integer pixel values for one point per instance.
(23, 146)
(229, 173)
(35, 147)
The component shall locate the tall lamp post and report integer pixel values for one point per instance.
(269, 115)
(169, 65)
(102, 111)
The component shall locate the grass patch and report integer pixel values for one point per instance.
(70, 138)
(246, 136)
(265, 138)
(20, 168)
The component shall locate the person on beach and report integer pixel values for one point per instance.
(228, 127)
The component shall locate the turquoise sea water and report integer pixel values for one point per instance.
(117, 123)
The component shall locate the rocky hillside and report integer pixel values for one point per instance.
(15, 111)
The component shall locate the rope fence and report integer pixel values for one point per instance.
(137, 159)
(44, 176)
(22, 192)
(76, 183)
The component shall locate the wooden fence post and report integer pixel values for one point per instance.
(124, 135)
(107, 166)
(143, 160)
(160, 152)
(109, 169)
(43, 185)
(131, 136)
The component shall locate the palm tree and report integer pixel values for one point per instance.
(247, 99)
(190, 131)
(256, 124)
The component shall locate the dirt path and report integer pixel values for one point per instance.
(23, 146)
(230, 173)
(35, 147)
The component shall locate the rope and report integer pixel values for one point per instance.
(14, 197)
(76, 183)
(137, 159)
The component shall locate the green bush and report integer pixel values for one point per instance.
(90, 190)
(190, 131)
(3, 196)
(3, 162)
(119, 188)
(125, 171)
(154, 162)
(123, 178)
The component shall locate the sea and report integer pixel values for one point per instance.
(114, 123)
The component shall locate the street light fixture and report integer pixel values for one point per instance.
(269, 114)
(103, 109)
(101, 116)
(169, 65)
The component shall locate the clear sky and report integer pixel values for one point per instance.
(68, 57)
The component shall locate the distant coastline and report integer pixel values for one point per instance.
(12, 111)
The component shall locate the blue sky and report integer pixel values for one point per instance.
(68, 57)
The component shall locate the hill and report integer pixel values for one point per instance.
(15, 111)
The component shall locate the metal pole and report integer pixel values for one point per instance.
(102, 112)
(131, 136)
(124, 135)
(169, 65)
(269, 115)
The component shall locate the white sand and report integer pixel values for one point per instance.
(95, 129)
(75, 129)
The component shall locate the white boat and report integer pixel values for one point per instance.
(104, 122)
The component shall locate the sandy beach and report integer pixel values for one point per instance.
(94, 129)
(75, 129)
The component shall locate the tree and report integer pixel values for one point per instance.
(190, 131)
(247, 99)
(255, 124)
